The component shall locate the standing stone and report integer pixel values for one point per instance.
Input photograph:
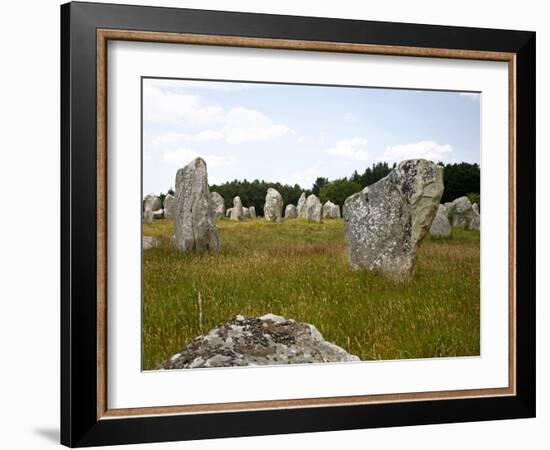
(194, 222)
(218, 205)
(475, 223)
(228, 212)
(462, 212)
(330, 210)
(252, 212)
(169, 202)
(151, 203)
(291, 212)
(314, 209)
(273, 207)
(301, 207)
(441, 227)
(246, 213)
(386, 222)
(237, 210)
(475, 207)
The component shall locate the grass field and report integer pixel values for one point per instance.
(299, 270)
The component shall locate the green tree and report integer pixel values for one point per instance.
(319, 183)
(338, 190)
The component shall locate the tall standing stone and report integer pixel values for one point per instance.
(441, 227)
(194, 222)
(218, 205)
(169, 202)
(386, 222)
(314, 209)
(252, 212)
(237, 210)
(301, 207)
(273, 207)
(290, 212)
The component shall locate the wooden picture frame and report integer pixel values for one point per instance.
(86, 418)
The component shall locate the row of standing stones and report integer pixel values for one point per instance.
(385, 224)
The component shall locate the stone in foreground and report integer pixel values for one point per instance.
(386, 222)
(273, 208)
(441, 227)
(258, 341)
(194, 221)
(313, 208)
(218, 205)
(291, 212)
(237, 210)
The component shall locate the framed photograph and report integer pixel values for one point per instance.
(277, 224)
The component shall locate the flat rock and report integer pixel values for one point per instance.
(258, 341)
(386, 222)
(194, 220)
(273, 207)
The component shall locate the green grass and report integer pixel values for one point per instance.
(299, 270)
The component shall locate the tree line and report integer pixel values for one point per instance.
(458, 178)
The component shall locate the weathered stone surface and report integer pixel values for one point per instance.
(273, 207)
(331, 210)
(246, 213)
(475, 223)
(314, 209)
(150, 242)
(258, 341)
(169, 202)
(151, 203)
(301, 207)
(228, 212)
(475, 207)
(291, 212)
(218, 205)
(462, 212)
(441, 227)
(194, 222)
(252, 212)
(158, 214)
(237, 210)
(386, 222)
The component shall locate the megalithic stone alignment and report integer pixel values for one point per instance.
(386, 222)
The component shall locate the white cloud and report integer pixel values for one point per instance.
(424, 149)
(234, 126)
(355, 148)
(471, 95)
(183, 156)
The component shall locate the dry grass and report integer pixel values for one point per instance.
(299, 270)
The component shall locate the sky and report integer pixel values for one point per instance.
(296, 133)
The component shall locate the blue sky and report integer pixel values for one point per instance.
(293, 133)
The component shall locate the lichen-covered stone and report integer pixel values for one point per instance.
(441, 227)
(313, 208)
(301, 206)
(273, 207)
(237, 210)
(291, 212)
(258, 341)
(168, 204)
(386, 222)
(194, 222)
(218, 205)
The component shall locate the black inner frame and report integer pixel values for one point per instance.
(79, 424)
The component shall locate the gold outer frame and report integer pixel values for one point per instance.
(104, 35)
